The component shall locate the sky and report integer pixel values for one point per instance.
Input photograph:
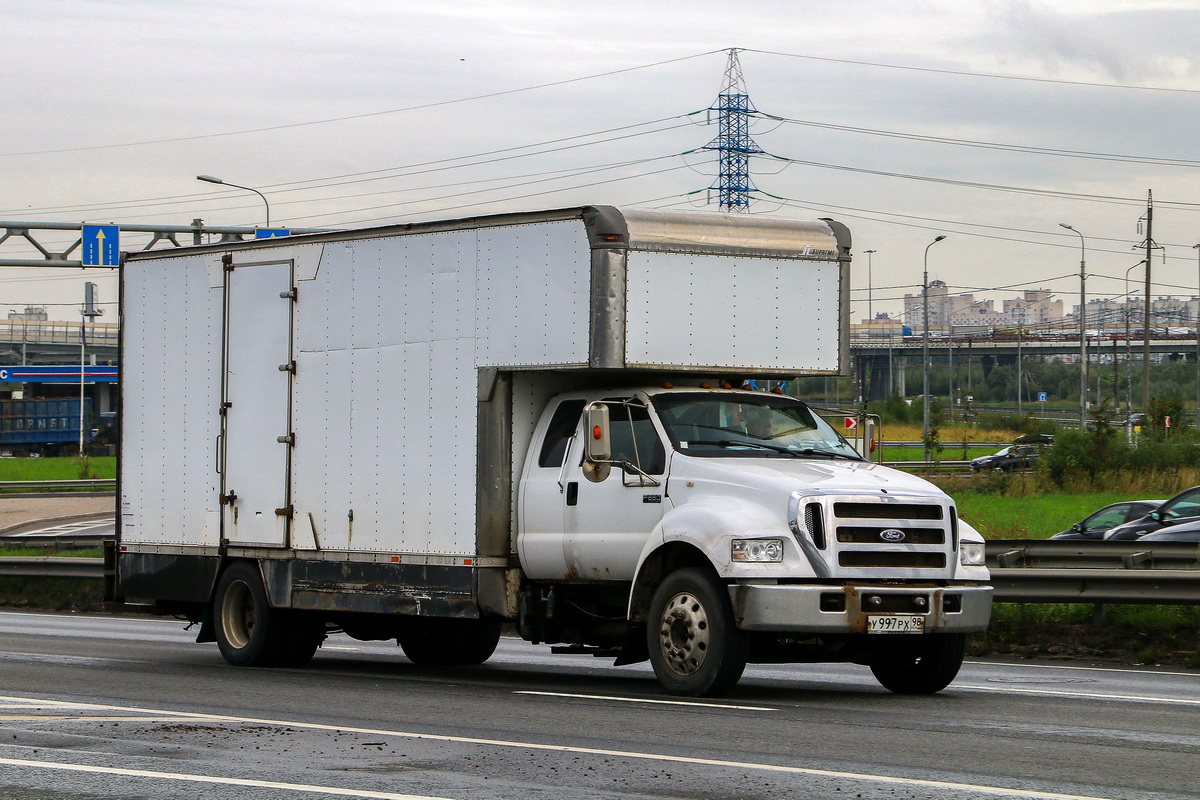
(989, 122)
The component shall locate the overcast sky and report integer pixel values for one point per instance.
(363, 113)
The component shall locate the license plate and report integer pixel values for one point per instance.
(895, 624)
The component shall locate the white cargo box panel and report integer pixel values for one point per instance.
(363, 393)
(730, 292)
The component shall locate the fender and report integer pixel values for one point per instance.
(699, 534)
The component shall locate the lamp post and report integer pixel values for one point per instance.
(925, 346)
(211, 179)
(1083, 362)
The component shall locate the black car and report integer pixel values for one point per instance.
(1184, 532)
(1183, 507)
(1093, 526)
(1017, 456)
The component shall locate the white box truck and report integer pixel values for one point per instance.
(424, 431)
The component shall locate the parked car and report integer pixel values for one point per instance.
(1095, 525)
(1017, 456)
(1183, 507)
(1034, 438)
(1183, 532)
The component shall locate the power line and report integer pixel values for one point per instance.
(520, 197)
(1015, 148)
(366, 115)
(399, 171)
(969, 74)
(978, 184)
(497, 188)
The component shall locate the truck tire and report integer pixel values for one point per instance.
(252, 634)
(696, 648)
(449, 642)
(919, 664)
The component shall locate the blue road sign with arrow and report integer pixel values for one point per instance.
(101, 246)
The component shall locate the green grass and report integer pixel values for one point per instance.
(950, 452)
(1030, 517)
(57, 469)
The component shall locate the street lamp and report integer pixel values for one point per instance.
(1083, 362)
(925, 346)
(211, 179)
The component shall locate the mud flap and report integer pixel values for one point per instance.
(635, 650)
(206, 632)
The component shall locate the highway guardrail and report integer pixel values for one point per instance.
(51, 567)
(1023, 571)
(37, 486)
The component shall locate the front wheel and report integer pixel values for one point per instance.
(696, 648)
(919, 664)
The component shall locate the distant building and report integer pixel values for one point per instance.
(1034, 307)
(30, 314)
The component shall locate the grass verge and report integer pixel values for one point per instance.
(57, 469)
(1130, 634)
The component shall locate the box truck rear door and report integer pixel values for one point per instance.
(257, 401)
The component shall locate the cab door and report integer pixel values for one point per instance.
(607, 523)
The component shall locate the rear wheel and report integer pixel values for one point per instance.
(919, 664)
(449, 642)
(250, 633)
(696, 649)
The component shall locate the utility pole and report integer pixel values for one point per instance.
(1150, 247)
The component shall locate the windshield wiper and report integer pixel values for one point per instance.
(730, 443)
(810, 451)
(805, 452)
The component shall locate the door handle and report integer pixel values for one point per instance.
(573, 493)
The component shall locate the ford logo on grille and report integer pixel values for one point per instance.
(893, 535)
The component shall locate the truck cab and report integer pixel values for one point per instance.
(738, 526)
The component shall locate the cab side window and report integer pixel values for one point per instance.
(562, 428)
(634, 439)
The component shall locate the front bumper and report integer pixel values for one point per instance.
(831, 608)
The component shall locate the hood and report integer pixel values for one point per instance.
(813, 476)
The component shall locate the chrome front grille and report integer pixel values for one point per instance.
(861, 537)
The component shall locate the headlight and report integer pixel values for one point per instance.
(756, 550)
(970, 554)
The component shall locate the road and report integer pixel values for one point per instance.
(113, 707)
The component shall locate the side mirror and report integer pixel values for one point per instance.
(1077, 527)
(597, 445)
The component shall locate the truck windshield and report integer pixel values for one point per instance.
(716, 425)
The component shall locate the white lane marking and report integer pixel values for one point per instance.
(1090, 695)
(64, 529)
(184, 776)
(998, 791)
(1118, 670)
(648, 700)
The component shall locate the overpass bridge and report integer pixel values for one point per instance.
(884, 365)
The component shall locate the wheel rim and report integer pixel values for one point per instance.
(684, 634)
(237, 614)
